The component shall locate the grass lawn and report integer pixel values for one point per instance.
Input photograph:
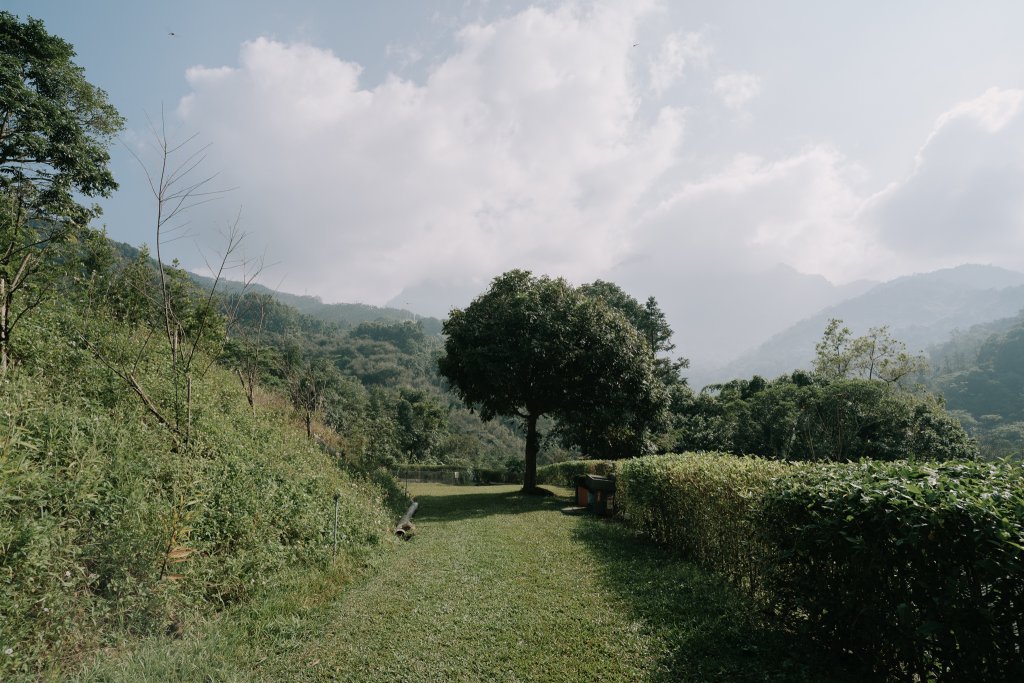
(493, 586)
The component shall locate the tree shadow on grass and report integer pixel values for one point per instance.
(460, 506)
(710, 631)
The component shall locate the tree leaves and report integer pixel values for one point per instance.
(533, 346)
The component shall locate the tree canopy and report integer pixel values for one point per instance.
(851, 406)
(533, 346)
(875, 356)
(55, 128)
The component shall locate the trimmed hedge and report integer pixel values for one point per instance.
(915, 568)
(565, 473)
(704, 504)
(919, 567)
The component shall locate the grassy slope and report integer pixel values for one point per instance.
(93, 497)
(493, 586)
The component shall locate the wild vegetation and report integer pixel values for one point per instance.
(113, 527)
(139, 488)
(980, 372)
(855, 403)
(175, 447)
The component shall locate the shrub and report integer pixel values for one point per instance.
(485, 475)
(918, 567)
(704, 504)
(565, 473)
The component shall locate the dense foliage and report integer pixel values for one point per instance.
(109, 527)
(535, 346)
(916, 568)
(55, 130)
(565, 473)
(981, 374)
(805, 417)
(704, 504)
(919, 568)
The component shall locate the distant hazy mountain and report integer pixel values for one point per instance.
(720, 313)
(920, 310)
(353, 314)
(348, 315)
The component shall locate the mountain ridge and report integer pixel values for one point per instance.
(922, 310)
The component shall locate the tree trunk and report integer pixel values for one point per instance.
(532, 448)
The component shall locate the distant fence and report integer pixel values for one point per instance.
(447, 474)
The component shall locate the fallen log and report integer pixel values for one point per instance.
(405, 526)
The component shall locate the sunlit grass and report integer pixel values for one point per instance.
(493, 586)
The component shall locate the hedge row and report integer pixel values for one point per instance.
(916, 568)
(565, 473)
(703, 504)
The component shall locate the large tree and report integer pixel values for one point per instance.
(649, 320)
(534, 346)
(55, 128)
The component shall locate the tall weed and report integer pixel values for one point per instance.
(109, 529)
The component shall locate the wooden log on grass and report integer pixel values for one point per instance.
(405, 526)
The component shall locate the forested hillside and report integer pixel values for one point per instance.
(369, 374)
(981, 374)
(140, 489)
(374, 384)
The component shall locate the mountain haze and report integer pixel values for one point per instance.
(920, 310)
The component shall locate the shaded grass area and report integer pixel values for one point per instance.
(705, 630)
(493, 586)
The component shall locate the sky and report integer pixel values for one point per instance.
(743, 162)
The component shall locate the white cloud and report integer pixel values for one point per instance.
(992, 111)
(737, 89)
(755, 214)
(532, 145)
(962, 202)
(676, 52)
(526, 147)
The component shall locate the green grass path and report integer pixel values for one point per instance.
(495, 586)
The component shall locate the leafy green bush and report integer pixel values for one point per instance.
(453, 474)
(918, 567)
(565, 473)
(492, 475)
(704, 504)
